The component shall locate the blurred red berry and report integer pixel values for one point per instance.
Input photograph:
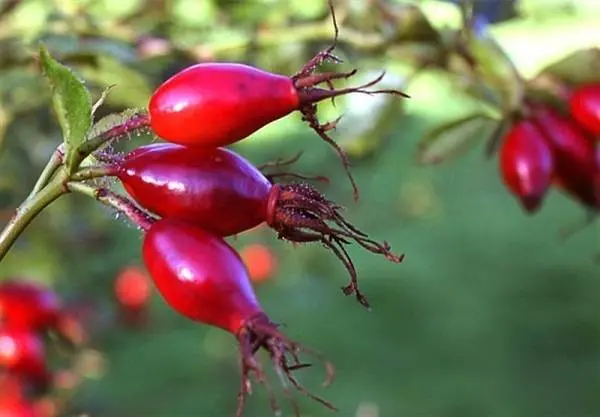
(133, 289)
(22, 353)
(133, 286)
(17, 408)
(575, 156)
(526, 164)
(11, 387)
(584, 106)
(27, 304)
(260, 261)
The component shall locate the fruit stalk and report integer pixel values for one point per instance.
(136, 215)
(51, 167)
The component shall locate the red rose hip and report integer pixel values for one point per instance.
(216, 104)
(28, 304)
(526, 164)
(223, 193)
(575, 156)
(197, 185)
(22, 353)
(200, 276)
(584, 105)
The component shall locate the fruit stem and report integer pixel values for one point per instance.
(30, 208)
(123, 205)
(137, 122)
(92, 172)
(53, 164)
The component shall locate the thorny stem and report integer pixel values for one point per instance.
(137, 122)
(111, 199)
(53, 164)
(30, 209)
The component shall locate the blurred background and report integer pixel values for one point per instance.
(491, 313)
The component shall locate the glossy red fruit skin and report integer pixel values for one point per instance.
(584, 106)
(526, 164)
(215, 189)
(22, 352)
(216, 104)
(575, 157)
(199, 275)
(27, 304)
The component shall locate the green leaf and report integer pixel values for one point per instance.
(102, 98)
(131, 87)
(71, 101)
(533, 45)
(580, 67)
(452, 139)
(496, 68)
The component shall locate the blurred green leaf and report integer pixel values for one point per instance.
(194, 13)
(540, 9)
(368, 121)
(580, 67)
(497, 69)
(533, 45)
(71, 101)
(451, 139)
(5, 119)
(131, 87)
(441, 14)
(307, 9)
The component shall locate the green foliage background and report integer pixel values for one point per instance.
(489, 315)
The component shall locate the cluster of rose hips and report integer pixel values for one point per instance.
(550, 146)
(28, 312)
(191, 193)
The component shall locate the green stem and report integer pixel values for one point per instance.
(29, 210)
(48, 171)
(89, 173)
(111, 199)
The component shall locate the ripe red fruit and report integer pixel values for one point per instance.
(17, 408)
(27, 304)
(575, 156)
(526, 164)
(213, 188)
(22, 353)
(259, 260)
(223, 193)
(200, 276)
(132, 287)
(12, 397)
(584, 105)
(216, 104)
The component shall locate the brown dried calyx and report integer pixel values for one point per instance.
(299, 213)
(259, 333)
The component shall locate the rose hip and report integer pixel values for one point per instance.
(216, 104)
(575, 156)
(526, 164)
(22, 353)
(223, 193)
(584, 105)
(201, 277)
(27, 304)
